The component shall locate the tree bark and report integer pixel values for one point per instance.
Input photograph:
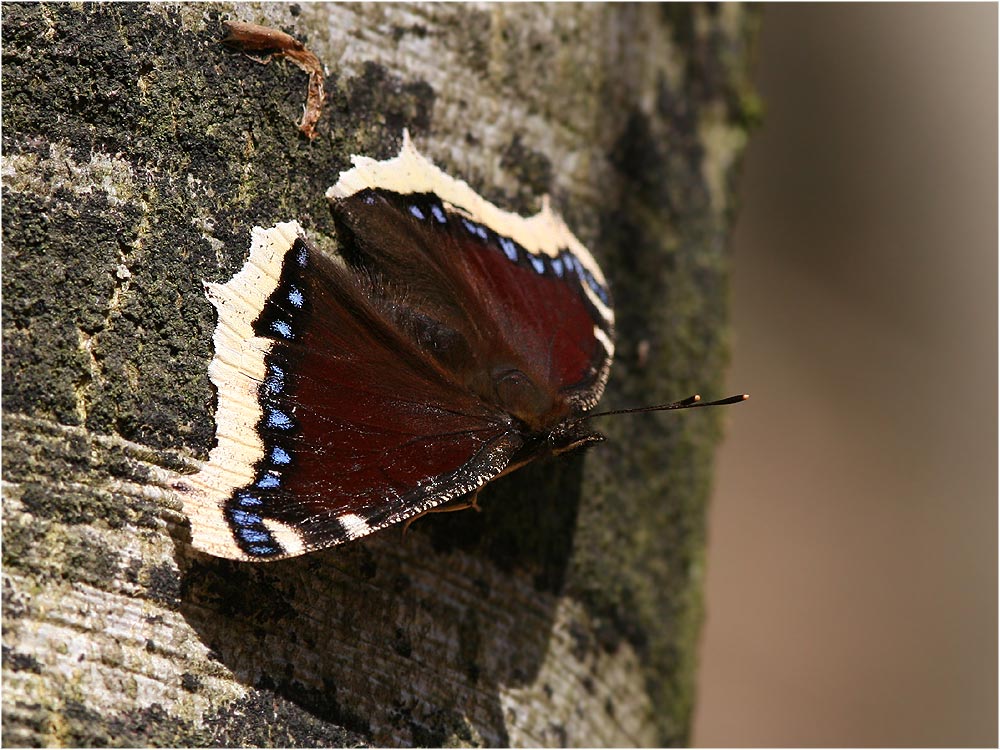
(138, 153)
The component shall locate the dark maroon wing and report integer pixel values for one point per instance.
(361, 428)
(546, 315)
(332, 422)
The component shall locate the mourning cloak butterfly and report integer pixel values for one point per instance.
(448, 344)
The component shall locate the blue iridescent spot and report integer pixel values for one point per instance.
(279, 420)
(438, 214)
(369, 199)
(599, 290)
(415, 210)
(269, 481)
(509, 248)
(283, 328)
(280, 456)
(295, 297)
(481, 231)
(593, 283)
(246, 500)
(244, 518)
(557, 266)
(302, 257)
(538, 263)
(275, 380)
(469, 226)
(253, 535)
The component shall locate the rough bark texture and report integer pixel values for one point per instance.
(137, 155)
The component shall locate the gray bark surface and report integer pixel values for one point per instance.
(137, 155)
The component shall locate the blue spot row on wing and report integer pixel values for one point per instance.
(509, 248)
(427, 208)
(277, 419)
(245, 507)
(245, 518)
(276, 458)
(269, 481)
(246, 499)
(283, 313)
(274, 380)
(301, 250)
(283, 328)
(249, 530)
(599, 290)
(422, 207)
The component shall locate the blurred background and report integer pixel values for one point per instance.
(852, 571)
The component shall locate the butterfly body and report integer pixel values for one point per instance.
(448, 343)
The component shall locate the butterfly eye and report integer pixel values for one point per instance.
(518, 395)
(563, 440)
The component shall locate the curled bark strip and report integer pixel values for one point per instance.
(251, 37)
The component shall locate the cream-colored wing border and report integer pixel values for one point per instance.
(237, 369)
(545, 233)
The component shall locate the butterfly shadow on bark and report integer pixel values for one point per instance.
(402, 640)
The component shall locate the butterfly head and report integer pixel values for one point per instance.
(520, 395)
(570, 436)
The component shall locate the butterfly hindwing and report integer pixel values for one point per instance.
(342, 424)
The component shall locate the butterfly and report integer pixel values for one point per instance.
(447, 344)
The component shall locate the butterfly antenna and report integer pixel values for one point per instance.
(692, 402)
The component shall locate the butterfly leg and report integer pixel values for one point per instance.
(463, 503)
